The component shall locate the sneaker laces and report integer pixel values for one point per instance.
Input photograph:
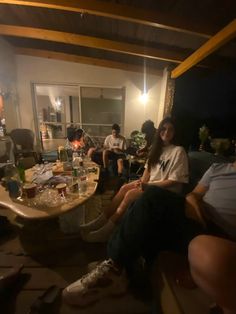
(98, 272)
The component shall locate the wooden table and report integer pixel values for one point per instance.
(24, 211)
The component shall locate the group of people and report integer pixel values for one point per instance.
(150, 215)
(113, 148)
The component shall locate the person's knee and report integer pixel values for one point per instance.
(130, 194)
(209, 253)
(124, 189)
(198, 250)
(199, 243)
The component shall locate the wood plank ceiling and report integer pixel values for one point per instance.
(122, 33)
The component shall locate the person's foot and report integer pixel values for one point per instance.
(9, 279)
(95, 224)
(104, 280)
(101, 235)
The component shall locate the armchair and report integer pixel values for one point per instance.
(23, 143)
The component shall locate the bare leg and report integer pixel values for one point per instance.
(102, 234)
(120, 165)
(128, 199)
(105, 158)
(117, 199)
(212, 261)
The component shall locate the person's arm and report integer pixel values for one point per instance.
(194, 203)
(121, 148)
(117, 150)
(145, 177)
(106, 143)
(142, 150)
(164, 183)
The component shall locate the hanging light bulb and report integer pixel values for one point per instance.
(144, 96)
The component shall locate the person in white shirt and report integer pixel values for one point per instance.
(167, 167)
(114, 147)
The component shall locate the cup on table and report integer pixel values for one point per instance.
(30, 190)
(61, 188)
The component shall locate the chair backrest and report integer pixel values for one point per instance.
(23, 139)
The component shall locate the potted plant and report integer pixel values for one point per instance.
(203, 136)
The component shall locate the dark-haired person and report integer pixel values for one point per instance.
(167, 167)
(161, 220)
(78, 139)
(149, 130)
(114, 147)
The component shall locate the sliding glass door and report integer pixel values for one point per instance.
(59, 107)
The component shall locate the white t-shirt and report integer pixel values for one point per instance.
(173, 165)
(112, 142)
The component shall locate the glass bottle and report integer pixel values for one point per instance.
(82, 179)
(12, 180)
(62, 154)
(21, 169)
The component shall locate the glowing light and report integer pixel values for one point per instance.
(144, 98)
(144, 95)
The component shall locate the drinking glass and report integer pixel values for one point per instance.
(30, 190)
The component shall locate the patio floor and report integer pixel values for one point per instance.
(52, 258)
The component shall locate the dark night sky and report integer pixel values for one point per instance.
(204, 96)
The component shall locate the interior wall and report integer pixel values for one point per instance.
(8, 84)
(40, 70)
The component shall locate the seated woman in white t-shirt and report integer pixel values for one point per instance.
(167, 167)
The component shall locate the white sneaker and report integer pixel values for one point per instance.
(105, 280)
(95, 224)
(101, 235)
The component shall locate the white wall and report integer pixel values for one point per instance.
(8, 83)
(33, 69)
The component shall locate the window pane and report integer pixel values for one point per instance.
(101, 105)
(96, 130)
(59, 107)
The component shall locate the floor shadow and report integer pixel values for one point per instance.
(8, 297)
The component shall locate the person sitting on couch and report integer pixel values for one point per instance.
(78, 139)
(161, 220)
(167, 167)
(149, 130)
(114, 149)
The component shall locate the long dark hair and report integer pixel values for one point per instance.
(157, 146)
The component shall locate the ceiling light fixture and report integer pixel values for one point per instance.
(144, 95)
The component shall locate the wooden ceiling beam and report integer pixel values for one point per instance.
(121, 12)
(215, 42)
(91, 42)
(85, 60)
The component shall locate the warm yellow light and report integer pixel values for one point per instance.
(144, 98)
